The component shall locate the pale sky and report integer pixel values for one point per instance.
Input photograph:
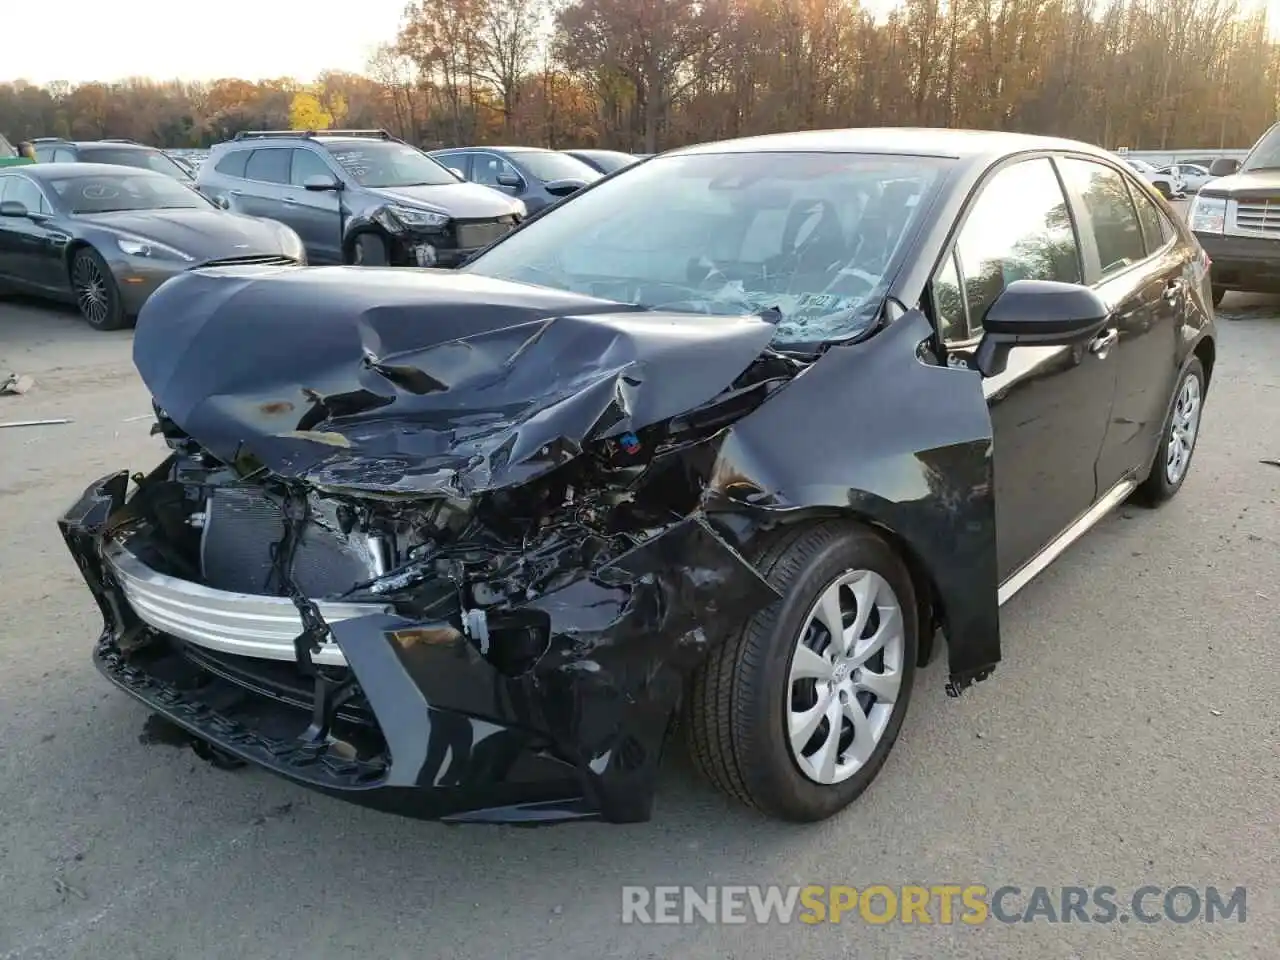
(86, 40)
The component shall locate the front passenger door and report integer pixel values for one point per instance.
(1049, 407)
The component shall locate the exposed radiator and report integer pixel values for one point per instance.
(242, 526)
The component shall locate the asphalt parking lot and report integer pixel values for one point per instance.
(1130, 737)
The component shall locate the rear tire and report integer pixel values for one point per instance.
(97, 296)
(1172, 460)
(751, 703)
(370, 250)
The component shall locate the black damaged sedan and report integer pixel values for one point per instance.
(741, 437)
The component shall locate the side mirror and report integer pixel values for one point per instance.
(510, 180)
(1224, 167)
(457, 173)
(321, 182)
(222, 202)
(13, 208)
(1042, 313)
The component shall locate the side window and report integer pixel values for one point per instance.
(307, 164)
(486, 168)
(1018, 229)
(27, 194)
(1112, 218)
(1156, 228)
(948, 303)
(63, 155)
(232, 165)
(458, 161)
(268, 166)
(44, 154)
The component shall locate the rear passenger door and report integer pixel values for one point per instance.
(1050, 405)
(1134, 261)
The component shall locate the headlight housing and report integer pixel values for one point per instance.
(412, 217)
(1208, 214)
(291, 245)
(138, 247)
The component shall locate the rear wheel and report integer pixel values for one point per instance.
(797, 711)
(370, 250)
(1177, 441)
(96, 292)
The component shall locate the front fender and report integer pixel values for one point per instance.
(878, 431)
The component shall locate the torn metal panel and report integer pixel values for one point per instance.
(920, 467)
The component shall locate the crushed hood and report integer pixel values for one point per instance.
(419, 382)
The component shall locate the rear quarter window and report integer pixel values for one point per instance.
(232, 164)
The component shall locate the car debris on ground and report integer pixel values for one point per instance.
(15, 384)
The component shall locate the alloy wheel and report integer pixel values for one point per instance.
(845, 677)
(92, 296)
(1183, 427)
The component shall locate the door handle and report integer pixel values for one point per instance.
(235, 193)
(289, 200)
(1172, 290)
(1103, 342)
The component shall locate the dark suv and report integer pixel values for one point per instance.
(124, 153)
(357, 196)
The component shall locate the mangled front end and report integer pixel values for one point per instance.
(454, 555)
(448, 609)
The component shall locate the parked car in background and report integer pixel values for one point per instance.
(9, 155)
(538, 177)
(185, 164)
(105, 237)
(1193, 175)
(606, 161)
(738, 434)
(125, 153)
(1169, 184)
(357, 196)
(1236, 218)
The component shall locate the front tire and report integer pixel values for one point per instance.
(1164, 189)
(1177, 444)
(97, 296)
(795, 717)
(370, 250)
(1218, 294)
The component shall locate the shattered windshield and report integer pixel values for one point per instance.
(807, 239)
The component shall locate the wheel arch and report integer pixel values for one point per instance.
(931, 615)
(69, 254)
(1206, 351)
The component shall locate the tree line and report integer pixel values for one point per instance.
(645, 75)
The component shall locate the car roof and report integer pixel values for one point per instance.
(48, 171)
(495, 149)
(916, 141)
(598, 152)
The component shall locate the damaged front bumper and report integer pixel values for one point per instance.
(408, 715)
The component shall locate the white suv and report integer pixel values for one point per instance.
(1169, 183)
